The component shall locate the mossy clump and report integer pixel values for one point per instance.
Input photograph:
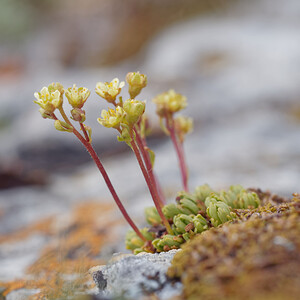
(191, 214)
(255, 256)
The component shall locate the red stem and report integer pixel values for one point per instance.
(146, 156)
(179, 151)
(84, 132)
(96, 159)
(150, 184)
(158, 186)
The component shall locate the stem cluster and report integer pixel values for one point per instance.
(129, 120)
(86, 142)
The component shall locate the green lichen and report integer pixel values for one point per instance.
(254, 256)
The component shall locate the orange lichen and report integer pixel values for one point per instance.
(12, 285)
(72, 251)
(43, 226)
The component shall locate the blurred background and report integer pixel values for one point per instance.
(237, 61)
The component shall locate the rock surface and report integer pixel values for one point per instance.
(135, 277)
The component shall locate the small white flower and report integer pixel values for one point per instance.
(48, 100)
(136, 82)
(109, 90)
(112, 118)
(77, 96)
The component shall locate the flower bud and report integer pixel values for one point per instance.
(134, 110)
(109, 90)
(45, 114)
(136, 82)
(183, 126)
(77, 96)
(62, 126)
(78, 115)
(169, 103)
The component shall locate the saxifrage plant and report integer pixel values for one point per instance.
(171, 224)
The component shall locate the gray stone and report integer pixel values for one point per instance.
(137, 276)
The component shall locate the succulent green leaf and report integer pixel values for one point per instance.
(167, 242)
(180, 222)
(200, 223)
(202, 192)
(133, 242)
(188, 206)
(170, 210)
(152, 216)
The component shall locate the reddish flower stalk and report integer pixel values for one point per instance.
(103, 172)
(142, 146)
(179, 150)
(150, 183)
(84, 132)
(158, 186)
(146, 157)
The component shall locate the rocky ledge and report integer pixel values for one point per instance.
(254, 256)
(137, 276)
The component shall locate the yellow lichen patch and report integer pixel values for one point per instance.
(43, 226)
(62, 268)
(11, 286)
(255, 256)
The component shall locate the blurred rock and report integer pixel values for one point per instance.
(136, 277)
(17, 256)
(14, 175)
(21, 294)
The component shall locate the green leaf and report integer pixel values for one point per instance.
(152, 156)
